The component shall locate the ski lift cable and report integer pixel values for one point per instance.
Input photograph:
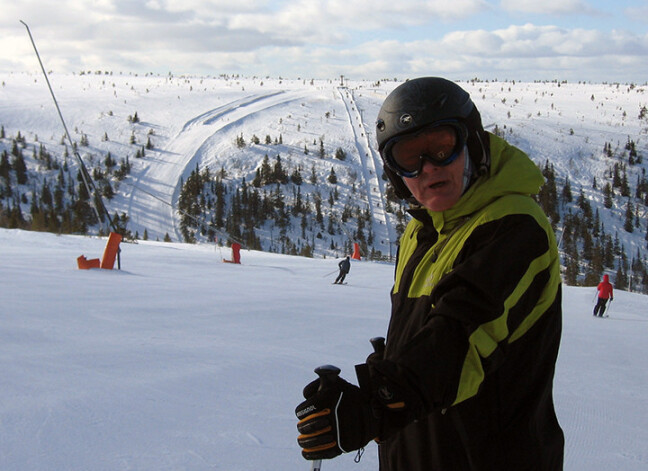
(96, 200)
(87, 181)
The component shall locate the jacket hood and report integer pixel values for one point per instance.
(511, 172)
(606, 278)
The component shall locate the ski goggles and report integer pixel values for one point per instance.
(440, 143)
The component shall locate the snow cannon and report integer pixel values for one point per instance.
(108, 260)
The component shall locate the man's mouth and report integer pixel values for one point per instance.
(436, 185)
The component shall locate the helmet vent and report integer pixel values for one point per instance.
(406, 120)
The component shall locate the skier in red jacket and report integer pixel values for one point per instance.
(605, 292)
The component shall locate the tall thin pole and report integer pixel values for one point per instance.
(87, 181)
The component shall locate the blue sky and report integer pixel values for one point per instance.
(574, 40)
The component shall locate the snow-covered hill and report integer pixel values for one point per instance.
(195, 123)
(181, 362)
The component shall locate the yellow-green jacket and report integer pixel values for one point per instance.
(475, 329)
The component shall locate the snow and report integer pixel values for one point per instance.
(181, 362)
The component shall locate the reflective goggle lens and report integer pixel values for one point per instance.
(440, 144)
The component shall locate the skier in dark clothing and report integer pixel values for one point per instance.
(345, 267)
(465, 379)
(605, 292)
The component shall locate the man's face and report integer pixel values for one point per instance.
(438, 188)
(431, 162)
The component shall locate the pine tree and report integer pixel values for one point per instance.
(548, 195)
(19, 167)
(46, 195)
(607, 196)
(332, 178)
(5, 166)
(628, 225)
(566, 192)
(625, 188)
(571, 271)
(313, 177)
(107, 190)
(240, 141)
(257, 182)
(296, 177)
(266, 171)
(279, 175)
(608, 251)
(621, 278)
(616, 176)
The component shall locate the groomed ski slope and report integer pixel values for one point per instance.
(154, 196)
(375, 186)
(180, 361)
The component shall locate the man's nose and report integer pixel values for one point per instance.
(429, 165)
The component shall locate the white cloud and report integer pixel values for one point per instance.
(541, 41)
(330, 21)
(524, 52)
(549, 7)
(639, 13)
(306, 37)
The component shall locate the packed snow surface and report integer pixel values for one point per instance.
(181, 362)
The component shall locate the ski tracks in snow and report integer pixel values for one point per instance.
(158, 194)
(372, 169)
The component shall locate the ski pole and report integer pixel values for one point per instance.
(378, 344)
(327, 374)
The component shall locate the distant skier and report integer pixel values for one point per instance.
(605, 292)
(345, 267)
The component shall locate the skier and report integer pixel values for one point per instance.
(605, 292)
(465, 379)
(345, 267)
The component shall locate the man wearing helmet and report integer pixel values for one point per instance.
(465, 379)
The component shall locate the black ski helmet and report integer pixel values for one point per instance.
(423, 101)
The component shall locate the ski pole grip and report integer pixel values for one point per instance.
(327, 375)
(378, 344)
